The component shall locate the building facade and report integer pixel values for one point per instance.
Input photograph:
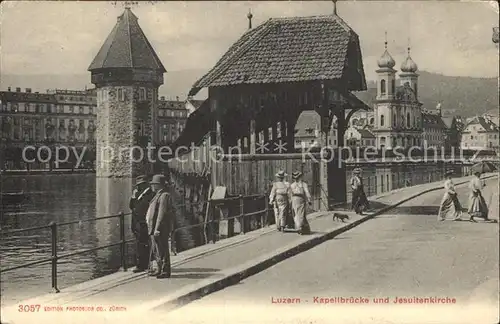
(359, 137)
(480, 133)
(172, 116)
(398, 113)
(66, 117)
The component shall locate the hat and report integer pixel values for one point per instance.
(140, 179)
(296, 174)
(158, 179)
(281, 174)
(357, 170)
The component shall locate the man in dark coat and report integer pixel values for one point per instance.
(139, 204)
(160, 220)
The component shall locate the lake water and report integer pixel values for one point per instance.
(58, 198)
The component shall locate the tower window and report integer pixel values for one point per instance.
(393, 86)
(408, 121)
(382, 120)
(382, 87)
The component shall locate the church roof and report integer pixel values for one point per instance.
(290, 50)
(127, 47)
(431, 120)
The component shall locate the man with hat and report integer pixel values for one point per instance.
(279, 200)
(359, 199)
(160, 220)
(139, 204)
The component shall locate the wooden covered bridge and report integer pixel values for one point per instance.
(257, 91)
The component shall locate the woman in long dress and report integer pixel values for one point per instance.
(477, 204)
(299, 197)
(450, 205)
(279, 200)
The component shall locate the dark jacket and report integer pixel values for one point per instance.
(139, 204)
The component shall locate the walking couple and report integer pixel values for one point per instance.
(450, 205)
(152, 222)
(285, 195)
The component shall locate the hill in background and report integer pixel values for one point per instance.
(464, 96)
(459, 96)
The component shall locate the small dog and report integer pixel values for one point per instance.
(340, 217)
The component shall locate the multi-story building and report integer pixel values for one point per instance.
(172, 116)
(68, 117)
(61, 116)
(434, 129)
(480, 133)
(357, 136)
(308, 134)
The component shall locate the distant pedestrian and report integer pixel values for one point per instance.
(450, 205)
(477, 204)
(359, 200)
(160, 220)
(139, 204)
(300, 195)
(279, 199)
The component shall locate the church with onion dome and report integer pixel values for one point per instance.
(397, 110)
(398, 118)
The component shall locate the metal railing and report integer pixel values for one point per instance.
(55, 257)
(53, 226)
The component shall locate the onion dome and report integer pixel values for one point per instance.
(386, 61)
(409, 66)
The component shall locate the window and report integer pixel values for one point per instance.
(408, 121)
(382, 120)
(120, 95)
(382, 87)
(91, 110)
(70, 109)
(142, 94)
(393, 86)
(394, 120)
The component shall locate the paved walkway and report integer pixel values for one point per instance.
(194, 268)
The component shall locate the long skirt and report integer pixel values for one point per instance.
(299, 210)
(359, 200)
(450, 207)
(280, 211)
(477, 205)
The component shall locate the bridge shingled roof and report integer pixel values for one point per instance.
(290, 50)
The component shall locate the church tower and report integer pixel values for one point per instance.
(386, 89)
(409, 73)
(127, 73)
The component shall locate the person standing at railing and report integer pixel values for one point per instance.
(299, 196)
(139, 204)
(477, 204)
(359, 200)
(279, 200)
(160, 220)
(450, 203)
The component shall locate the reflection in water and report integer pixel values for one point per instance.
(58, 198)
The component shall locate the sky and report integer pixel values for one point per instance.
(447, 37)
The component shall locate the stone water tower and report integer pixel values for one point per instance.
(127, 73)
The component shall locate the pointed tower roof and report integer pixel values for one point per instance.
(127, 47)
